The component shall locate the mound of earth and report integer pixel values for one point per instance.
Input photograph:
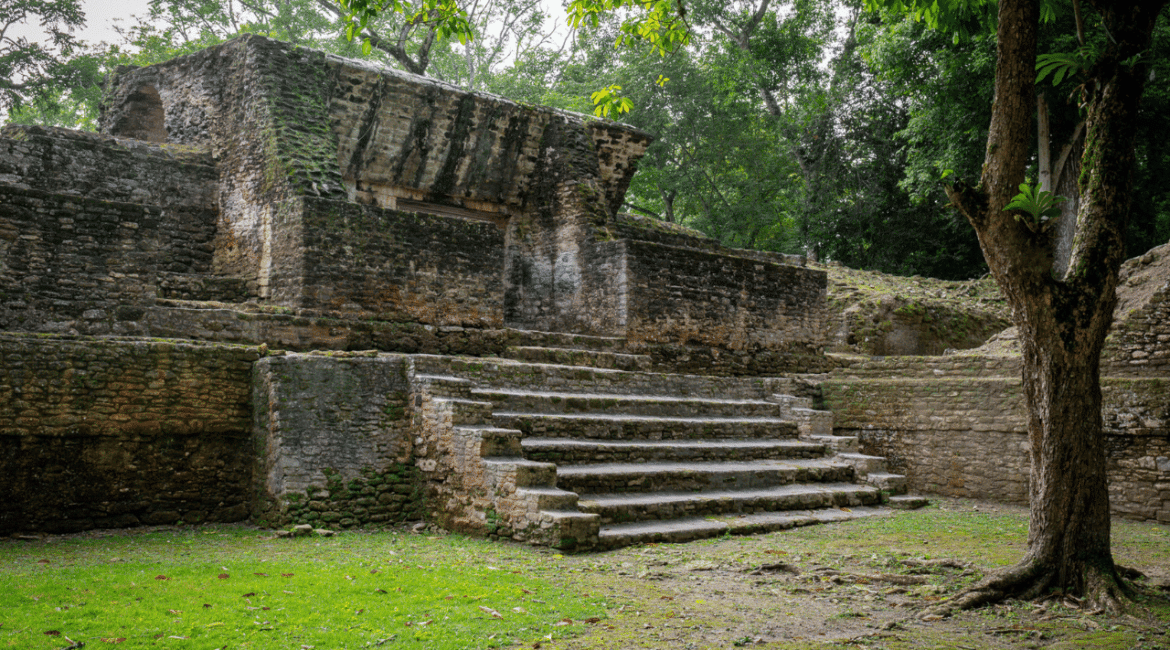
(878, 314)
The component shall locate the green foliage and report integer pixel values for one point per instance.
(1065, 64)
(445, 17)
(659, 24)
(609, 98)
(1039, 205)
(37, 68)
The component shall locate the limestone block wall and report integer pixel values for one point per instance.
(956, 426)
(107, 433)
(564, 272)
(91, 224)
(684, 295)
(403, 266)
(332, 440)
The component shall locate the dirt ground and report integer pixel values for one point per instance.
(829, 586)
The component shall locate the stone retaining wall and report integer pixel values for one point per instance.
(681, 295)
(104, 433)
(333, 440)
(962, 432)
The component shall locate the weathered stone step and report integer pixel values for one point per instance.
(615, 478)
(522, 401)
(841, 444)
(865, 465)
(575, 357)
(519, 375)
(599, 426)
(568, 451)
(445, 385)
(686, 530)
(538, 338)
(624, 508)
(492, 441)
(466, 411)
(526, 473)
(908, 502)
(892, 484)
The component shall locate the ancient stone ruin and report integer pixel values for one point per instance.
(294, 288)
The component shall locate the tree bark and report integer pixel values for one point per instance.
(1063, 318)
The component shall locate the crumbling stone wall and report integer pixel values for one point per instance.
(333, 441)
(92, 223)
(685, 295)
(956, 426)
(408, 267)
(106, 433)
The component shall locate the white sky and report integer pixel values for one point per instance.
(99, 16)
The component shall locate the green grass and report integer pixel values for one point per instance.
(237, 588)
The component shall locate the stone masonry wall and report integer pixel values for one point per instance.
(680, 295)
(92, 223)
(333, 441)
(403, 266)
(106, 433)
(960, 430)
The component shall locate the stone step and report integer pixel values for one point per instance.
(813, 422)
(445, 385)
(525, 401)
(466, 411)
(790, 401)
(528, 474)
(549, 498)
(599, 426)
(865, 465)
(689, 529)
(493, 441)
(575, 357)
(520, 375)
(621, 478)
(908, 502)
(840, 444)
(892, 484)
(536, 338)
(625, 508)
(569, 451)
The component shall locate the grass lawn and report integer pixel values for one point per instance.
(857, 584)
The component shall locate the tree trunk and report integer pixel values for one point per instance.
(1063, 318)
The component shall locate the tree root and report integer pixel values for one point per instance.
(1103, 591)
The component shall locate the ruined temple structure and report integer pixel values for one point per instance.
(293, 288)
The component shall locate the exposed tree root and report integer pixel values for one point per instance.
(1101, 590)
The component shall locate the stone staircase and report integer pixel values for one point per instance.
(640, 457)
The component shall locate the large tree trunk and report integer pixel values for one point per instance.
(1063, 318)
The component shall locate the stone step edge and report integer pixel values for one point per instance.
(683, 530)
(695, 467)
(621, 499)
(506, 392)
(582, 351)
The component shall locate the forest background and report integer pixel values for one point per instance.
(797, 126)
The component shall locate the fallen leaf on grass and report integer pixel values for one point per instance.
(207, 605)
(262, 575)
(52, 633)
(563, 621)
(175, 611)
(381, 591)
(112, 640)
(592, 620)
(223, 576)
(161, 577)
(42, 561)
(249, 594)
(519, 610)
(287, 575)
(491, 612)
